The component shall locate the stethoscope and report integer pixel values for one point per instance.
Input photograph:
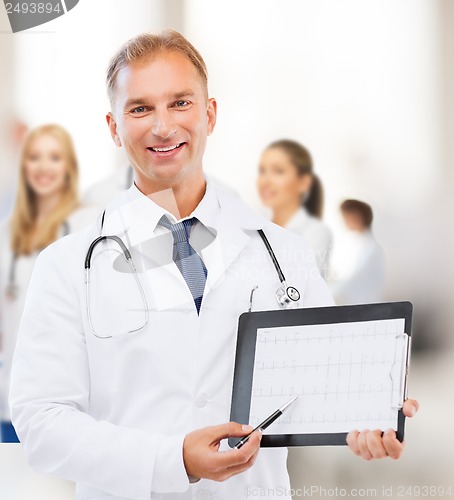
(12, 289)
(287, 296)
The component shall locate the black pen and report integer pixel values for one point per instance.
(266, 422)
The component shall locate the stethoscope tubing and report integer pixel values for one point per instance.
(272, 255)
(128, 257)
(282, 294)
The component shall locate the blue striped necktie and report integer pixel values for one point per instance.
(186, 258)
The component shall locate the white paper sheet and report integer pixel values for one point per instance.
(347, 375)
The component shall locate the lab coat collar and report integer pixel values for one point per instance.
(237, 222)
(134, 209)
(135, 214)
(235, 210)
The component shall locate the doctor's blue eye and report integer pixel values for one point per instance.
(181, 104)
(140, 109)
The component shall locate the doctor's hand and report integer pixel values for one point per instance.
(377, 444)
(203, 459)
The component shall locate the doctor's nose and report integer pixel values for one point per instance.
(163, 125)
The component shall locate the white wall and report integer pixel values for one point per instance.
(61, 70)
(359, 83)
(356, 81)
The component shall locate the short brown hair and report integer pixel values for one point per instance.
(148, 45)
(360, 208)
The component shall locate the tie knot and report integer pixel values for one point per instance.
(180, 230)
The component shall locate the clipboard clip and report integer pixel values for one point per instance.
(399, 371)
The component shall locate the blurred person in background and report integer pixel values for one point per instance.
(104, 191)
(46, 208)
(288, 185)
(12, 137)
(361, 263)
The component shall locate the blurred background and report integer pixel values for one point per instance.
(366, 85)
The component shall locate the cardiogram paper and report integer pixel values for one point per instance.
(347, 376)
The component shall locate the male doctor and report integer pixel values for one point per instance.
(140, 415)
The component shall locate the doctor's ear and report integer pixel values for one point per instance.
(211, 114)
(112, 124)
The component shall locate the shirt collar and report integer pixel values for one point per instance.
(133, 209)
(208, 210)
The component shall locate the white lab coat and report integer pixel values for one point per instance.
(11, 310)
(317, 234)
(111, 414)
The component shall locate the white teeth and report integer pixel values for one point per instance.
(160, 150)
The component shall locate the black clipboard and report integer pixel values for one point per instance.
(250, 322)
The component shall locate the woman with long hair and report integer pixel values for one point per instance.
(46, 208)
(288, 186)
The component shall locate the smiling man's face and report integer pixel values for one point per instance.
(162, 117)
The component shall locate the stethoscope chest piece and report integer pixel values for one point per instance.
(287, 296)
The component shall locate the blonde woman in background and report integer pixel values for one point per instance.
(46, 208)
(288, 186)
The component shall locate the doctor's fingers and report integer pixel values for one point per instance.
(375, 444)
(230, 429)
(393, 446)
(352, 441)
(357, 443)
(241, 456)
(238, 469)
(229, 463)
(410, 408)
(362, 445)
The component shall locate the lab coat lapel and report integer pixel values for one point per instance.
(228, 244)
(237, 223)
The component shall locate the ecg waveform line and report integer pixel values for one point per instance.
(343, 374)
(324, 419)
(294, 366)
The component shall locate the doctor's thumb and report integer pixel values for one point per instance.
(231, 429)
